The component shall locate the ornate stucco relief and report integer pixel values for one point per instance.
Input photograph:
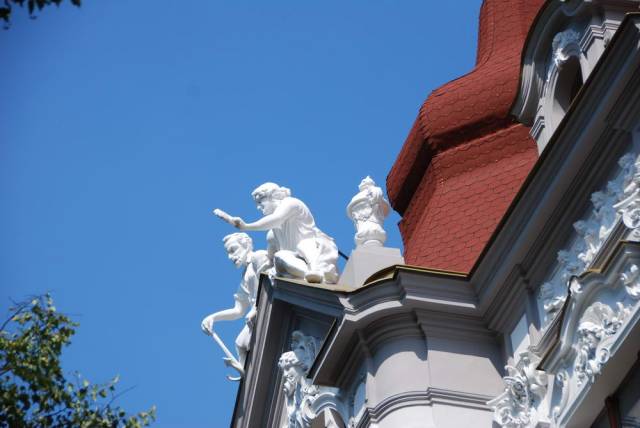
(619, 199)
(631, 280)
(564, 55)
(600, 310)
(571, 38)
(600, 313)
(596, 326)
(303, 400)
(525, 388)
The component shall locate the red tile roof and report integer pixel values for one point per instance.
(465, 157)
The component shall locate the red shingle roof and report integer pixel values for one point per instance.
(465, 157)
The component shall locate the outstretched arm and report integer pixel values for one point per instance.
(233, 221)
(270, 221)
(273, 220)
(230, 314)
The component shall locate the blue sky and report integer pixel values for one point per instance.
(125, 123)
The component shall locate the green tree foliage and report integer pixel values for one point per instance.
(33, 389)
(32, 5)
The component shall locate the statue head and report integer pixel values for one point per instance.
(238, 247)
(268, 197)
(366, 183)
(590, 334)
(292, 371)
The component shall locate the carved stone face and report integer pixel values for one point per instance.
(237, 252)
(290, 366)
(267, 205)
(589, 334)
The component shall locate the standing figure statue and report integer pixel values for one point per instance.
(368, 209)
(297, 247)
(239, 247)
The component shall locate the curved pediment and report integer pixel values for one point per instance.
(600, 318)
(564, 45)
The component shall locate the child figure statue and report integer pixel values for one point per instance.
(296, 246)
(368, 209)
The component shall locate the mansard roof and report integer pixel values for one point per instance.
(466, 157)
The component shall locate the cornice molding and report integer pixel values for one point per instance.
(459, 327)
(429, 397)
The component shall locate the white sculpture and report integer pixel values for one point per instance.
(589, 232)
(368, 209)
(598, 322)
(630, 280)
(299, 392)
(591, 334)
(304, 400)
(620, 199)
(239, 247)
(297, 247)
(629, 207)
(561, 43)
(525, 387)
(552, 302)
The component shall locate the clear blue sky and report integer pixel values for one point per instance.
(125, 123)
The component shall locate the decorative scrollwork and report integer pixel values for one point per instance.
(620, 199)
(598, 322)
(630, 279)
(525, 386)
(304, 400)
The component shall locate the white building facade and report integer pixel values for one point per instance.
(543, 331)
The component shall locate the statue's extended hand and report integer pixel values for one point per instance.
(238, 222)
(233, 221)
(222, 215)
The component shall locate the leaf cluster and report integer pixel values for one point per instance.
(32, 6)
(33, 389)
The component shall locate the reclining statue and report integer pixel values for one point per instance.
(296, 246)
(239, 247)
